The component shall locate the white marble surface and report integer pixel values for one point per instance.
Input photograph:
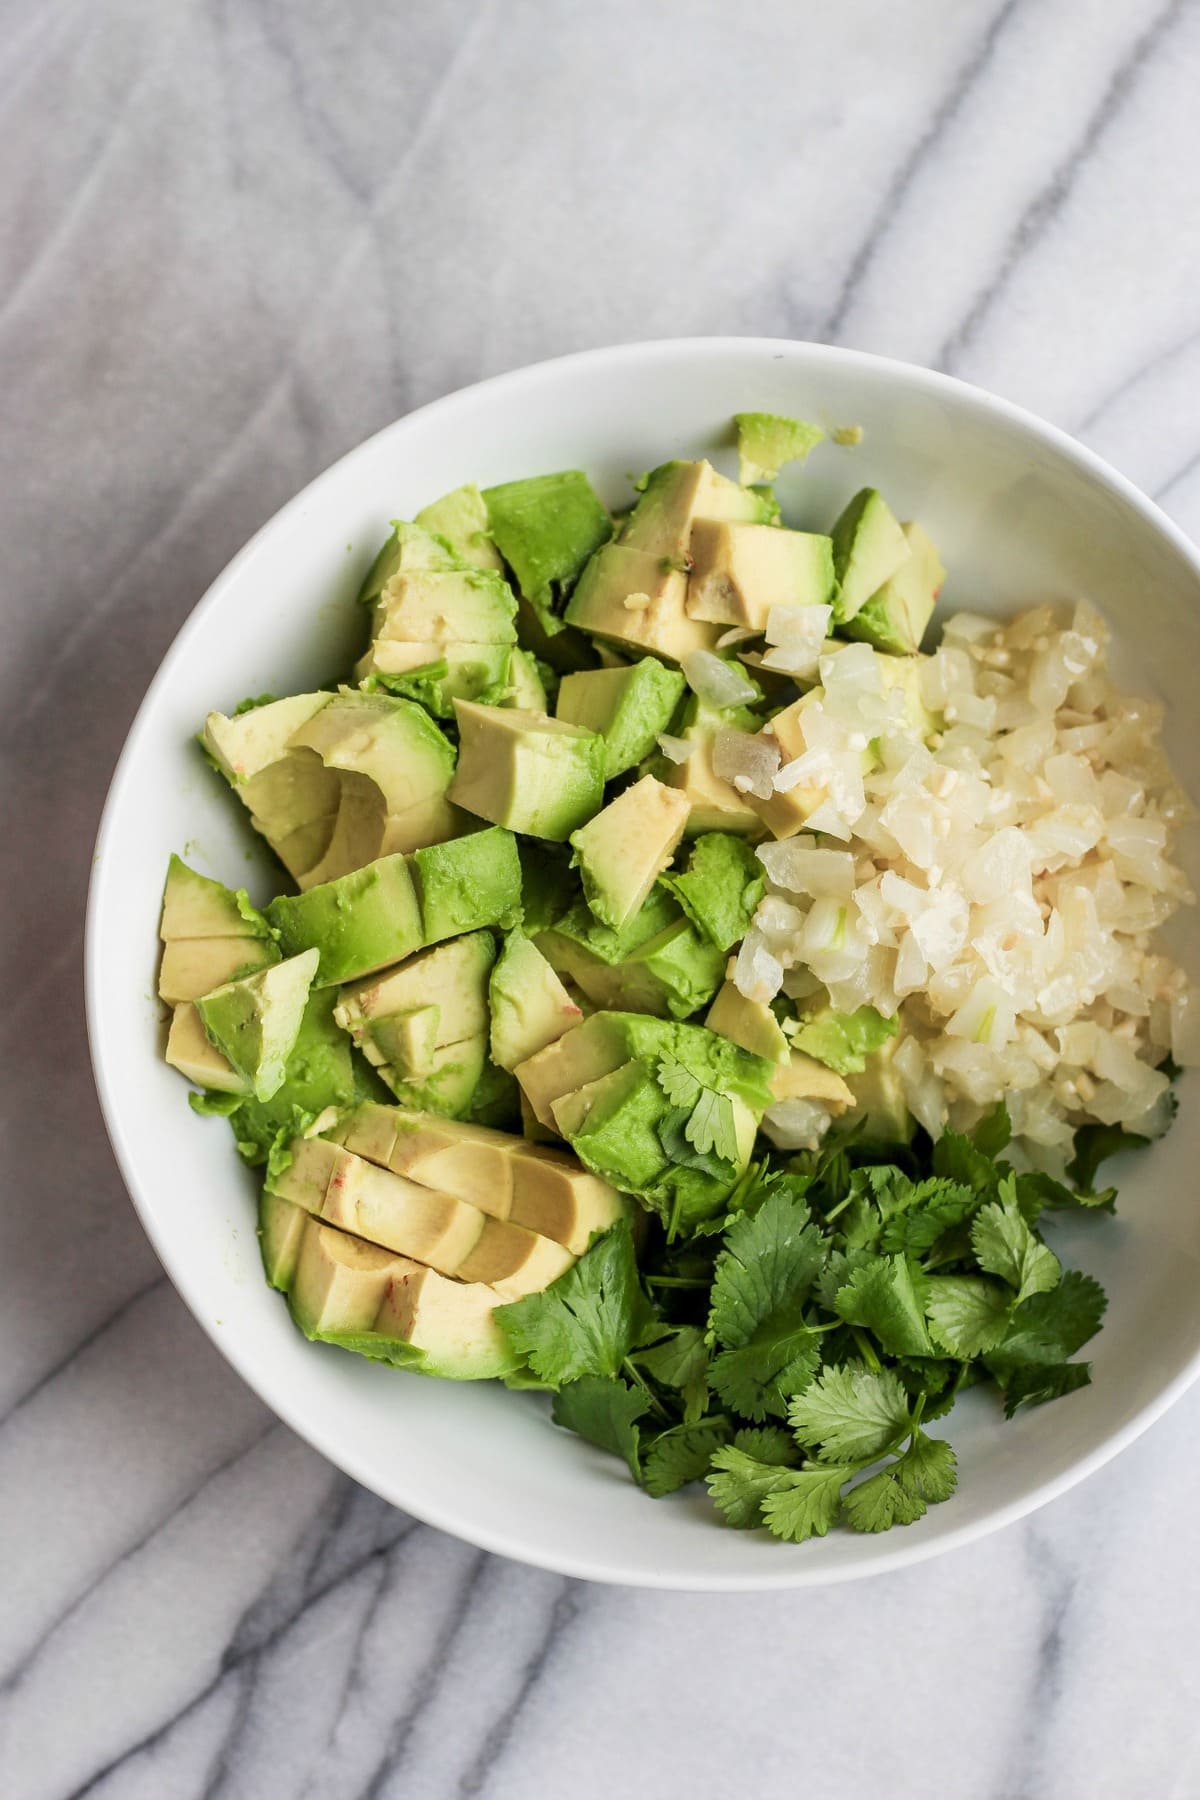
(235, 237)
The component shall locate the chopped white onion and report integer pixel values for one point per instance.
(717, 682)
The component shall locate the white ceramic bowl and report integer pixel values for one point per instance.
(1021, 513)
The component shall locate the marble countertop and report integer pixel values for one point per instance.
(235, 239)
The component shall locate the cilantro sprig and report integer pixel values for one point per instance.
(793, 1353)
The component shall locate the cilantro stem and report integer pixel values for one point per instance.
(866, 1349)
(679, 1281)
(840, 1207)
(638, 1381)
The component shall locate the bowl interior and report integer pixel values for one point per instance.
(1020, 515)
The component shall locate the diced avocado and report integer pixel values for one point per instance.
(878, 1098)
(189, 1051)
(625, 847)
(468, 883)
(396, 766)
(637, 600)
(549, 885)
(553, 1195)
(385, 1208)
(436, 997)
(530, 1007)
(720, 887)
(281, 1229)
(608, 1040)
(739, 572)
(404, 1042)
(628, 707)
(321, 1073)
(750, 1023)
(360, 922)
(449, 1084)
(715, 803)
(461, 518)
(895, 616)
(194, 906)
(446, 606)
(290, 795)
(844, 1041)
(254, 1022)
(787, 811)
(668, 971)
(802, 1077)
(868, 548)
(339, 1282)
(194, 966)
(411, 546)
(546, 528)
(514, 1261)
(435, 675)
(524, 686)
(526, 771)
(767, 442)
(677, 493)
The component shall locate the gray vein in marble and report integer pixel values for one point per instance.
(1050, 199)
(1056, 1585)
(1150, 365)
(884, 217)
(563, 1614)
(67, 1361)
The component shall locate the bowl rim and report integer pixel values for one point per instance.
(599, 1568)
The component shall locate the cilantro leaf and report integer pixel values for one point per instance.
(769, 1262)
(853, 1413)
(712, 1127)
(673, 1134)
(1051, 1326)
(1094, 1144)
(739, 1484)
(842, 1264)
(681, 1087)
(1005, 1245)
(683, 1454)
(887, 1298)
(807, 1504)
(1037, 1191)
(993, 1134)
(680, 1361)
(958, 1159)
(605, 1412)
(1049, 1381)
(901, 1493)
(757, 1378)
(968, 1314)
(767, 1443)
(586, 1322)
(931, 1209)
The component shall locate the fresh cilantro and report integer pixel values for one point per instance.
(1094, 1144)
(758, 1378)
(681, 1455)
(957, 1159)
(993, 1134)
(586, 1322)
(807, 1504)
(710, 1125)
(900, 1493)
(1005, 1245)
(768, 1443)
(1052, 1325)
(680, 1361)
(606, 1413)
(887, 1298)
(968, 1314)
(739, 1484)
(769, 1263)
(1047, 1381)
(853, 1413)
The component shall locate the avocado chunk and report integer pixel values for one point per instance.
(291, 797)
(895, 616)
(750, 1023)
(254, 1022)
(195, 906)
(468, 883)
(843, 1041)
(281, 1229)
(767, 442)
(720, 887)
(868, 548)
(787, 811)
(802, 1077)
(351, 1293)
(714, 803)
(460, 518)
(546, 528)
(669, 972)
(445, 606)
(676, 494)
(739, 572)
(191, 967)
(530, 1007)
(542, 1189)
(189, 1051)
(395, 766)
(625, 847)
(526, 771)
(360, 922)
(523, 685)
(628, 707)
(435, 675)
(449, 1084)
(410, 547)
(877, 1093)
(435, 998)
(637, 600)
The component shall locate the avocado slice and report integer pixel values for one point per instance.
(410, 547)
(636, 600)
(530, 1007)
(674, 496)
(895, 616)
(190, 1051)
(546, 528)
(191, 967)
(445, 606)
(802, 1077)
(767, 442)
(467, 883)
(195, 906)
(868, 548)
(844, 1041)
(720, 887)
(254, 1022)
(280, 1233)
(624, 848)
(360, 922)
(628, 707)
(291, 797)
(523, 685)
(526, 771)
(750, 1023)
(739, 572)
(450, 1082)
(435, 998)
(460, 519)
